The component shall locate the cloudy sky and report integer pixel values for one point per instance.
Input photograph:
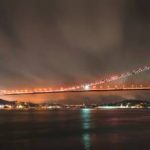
(61, 42)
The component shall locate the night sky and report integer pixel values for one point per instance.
(62, 42)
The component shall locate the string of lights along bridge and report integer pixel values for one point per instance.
(93, 86)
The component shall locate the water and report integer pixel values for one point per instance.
(75, 130)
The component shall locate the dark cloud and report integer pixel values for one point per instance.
(54, 42)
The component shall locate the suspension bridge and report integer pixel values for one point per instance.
(96, 86)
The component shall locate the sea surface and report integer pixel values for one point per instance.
(126, 129)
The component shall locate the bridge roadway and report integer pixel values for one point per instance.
(80, 91)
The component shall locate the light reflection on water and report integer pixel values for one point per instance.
(86, 137)
(86, 129)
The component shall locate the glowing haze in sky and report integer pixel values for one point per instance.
(62, 42)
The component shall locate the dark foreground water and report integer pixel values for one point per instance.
(75, 130)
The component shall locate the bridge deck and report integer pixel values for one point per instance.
(81, 91)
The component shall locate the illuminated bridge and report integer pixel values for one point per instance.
(96, 86)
